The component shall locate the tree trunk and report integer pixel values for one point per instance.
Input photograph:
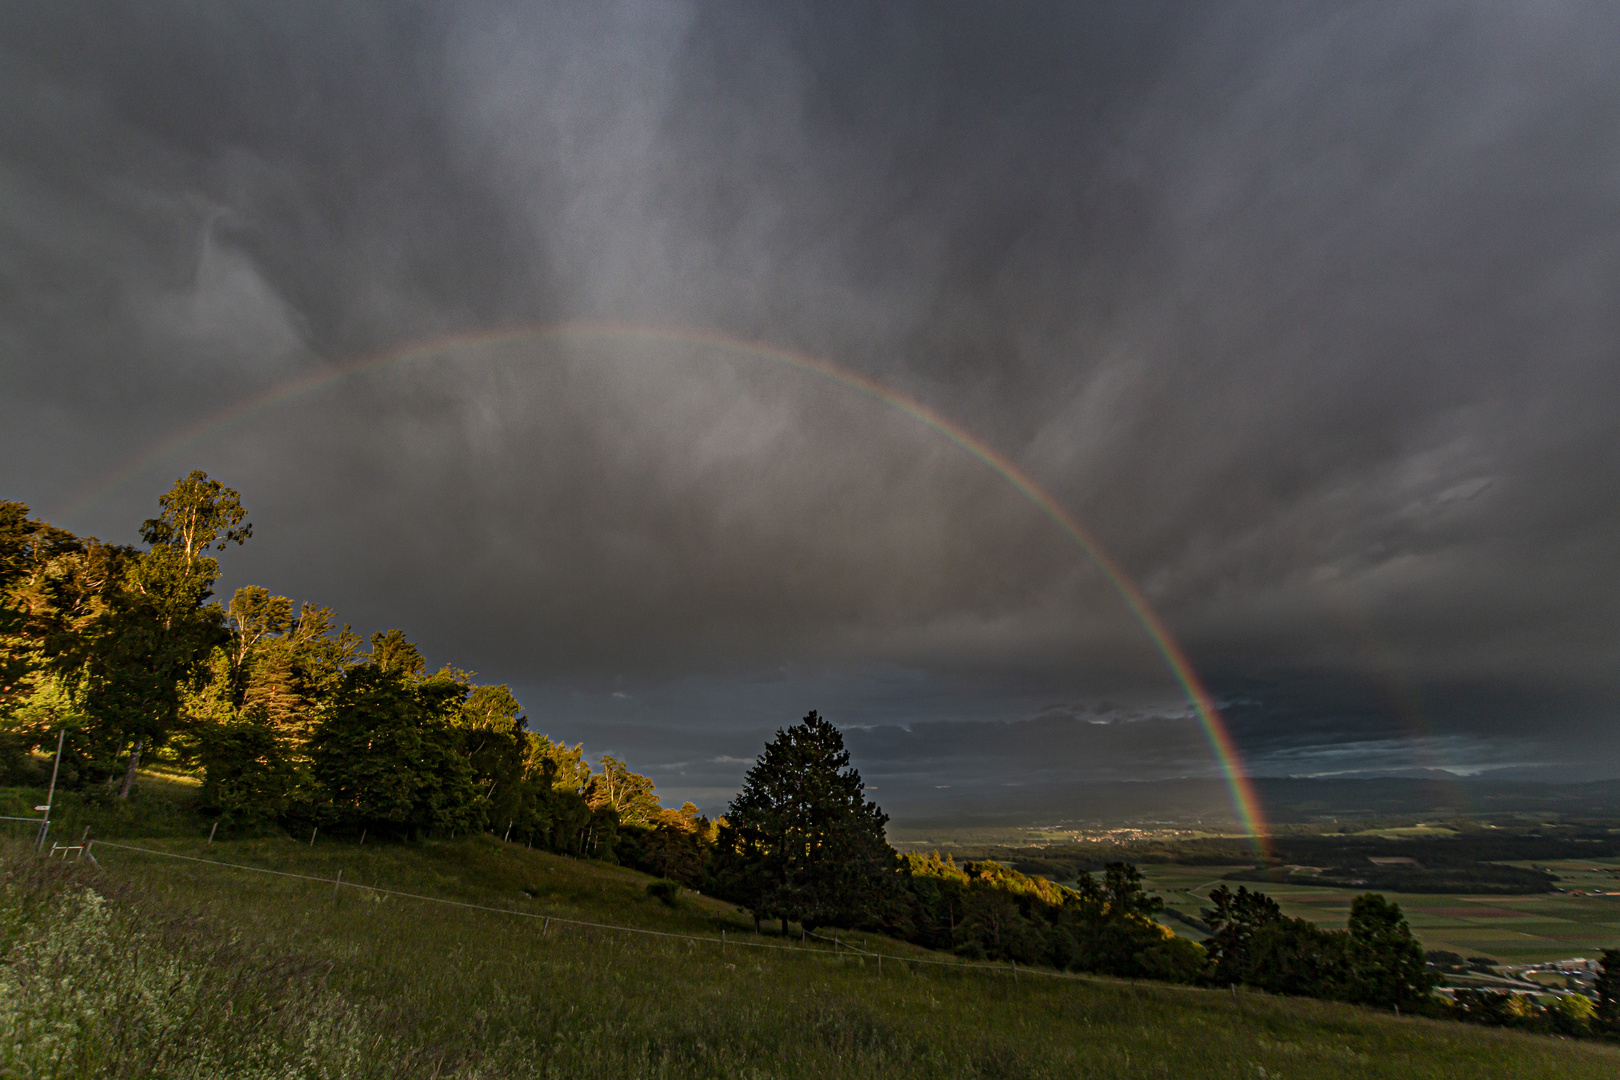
(129, 773)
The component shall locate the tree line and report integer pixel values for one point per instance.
(293, 721)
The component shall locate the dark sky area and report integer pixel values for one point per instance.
(1308, 311)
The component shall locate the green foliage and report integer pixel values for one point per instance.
(391, 652)
(388, 759)
(248, 776)
(1607, 988)
(1376, 962)
(195, 513)
(986, 910)
(1385, 961)
(1295, 956)
(1234, 918)
(628, 794)
(26, 548)
(568, 768)
(665, 891)
(287, 720)
(492, 708)
(125, 634)
(1570, 1015)
(676, 845)
(801, 841)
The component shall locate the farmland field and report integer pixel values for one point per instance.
(1509, 929)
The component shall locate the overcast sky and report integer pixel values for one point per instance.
(1307, 311)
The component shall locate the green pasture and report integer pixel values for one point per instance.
(1510, 929)
(312, 980)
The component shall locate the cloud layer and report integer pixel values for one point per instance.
(1306, 311)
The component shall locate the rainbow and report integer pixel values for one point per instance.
(1244, 797)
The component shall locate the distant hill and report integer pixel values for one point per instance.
(1285, 801)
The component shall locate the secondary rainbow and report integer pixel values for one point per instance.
(1244, 797)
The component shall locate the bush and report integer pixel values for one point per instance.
(665, 891)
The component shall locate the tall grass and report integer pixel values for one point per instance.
(160, 968)
(159, 806)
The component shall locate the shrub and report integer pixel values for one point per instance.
(665, 891)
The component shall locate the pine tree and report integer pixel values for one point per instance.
(1608, 991)
(1386, 963)
(801, 841)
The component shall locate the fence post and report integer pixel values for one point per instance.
(337, 881)
(722, 943)
(312, 833)
(214, 830)
(50, 796)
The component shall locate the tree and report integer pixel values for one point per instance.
(197, 512)
(1295, 956)
(36, 616)
(629, 794)
(253, 615)
(128, 663)
(673, 847)
(26, 549)
(150, 633)
(247, 774)
(492, 708)
(391, 651)
(1125, 893)
(491, 724)
(1234, 919)
(801, 841)
(1385, 961)
(569, 770)
(1607, 987)
(388, 758)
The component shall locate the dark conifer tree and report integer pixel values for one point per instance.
(801, 841)
(1234, 919)
(1608, 992)
(1385, 961)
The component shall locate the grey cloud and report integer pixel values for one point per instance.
(1305, 310)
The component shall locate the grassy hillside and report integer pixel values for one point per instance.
(198, 970)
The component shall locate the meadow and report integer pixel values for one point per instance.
(193, 969)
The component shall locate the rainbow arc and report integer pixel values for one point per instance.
(1245, 799)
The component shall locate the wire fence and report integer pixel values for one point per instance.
(840, 947)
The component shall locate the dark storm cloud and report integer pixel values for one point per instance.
(1307, 310)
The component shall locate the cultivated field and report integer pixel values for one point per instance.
(1509, 929)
